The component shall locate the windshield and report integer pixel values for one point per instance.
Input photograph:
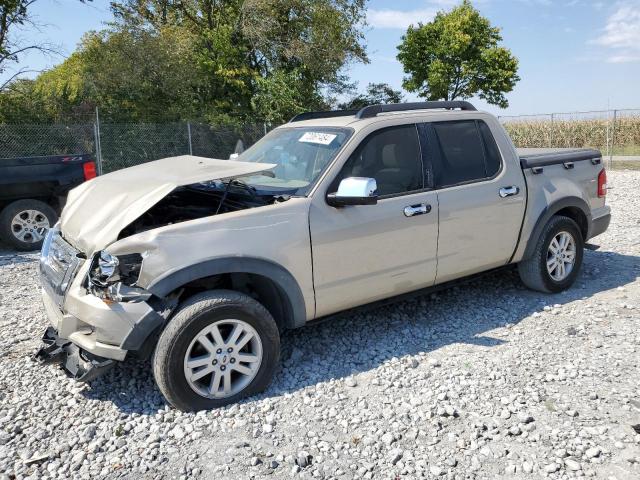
(300, 155)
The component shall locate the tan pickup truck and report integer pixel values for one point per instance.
(202, 263)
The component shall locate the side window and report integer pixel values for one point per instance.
(391, 156)
(467, 152)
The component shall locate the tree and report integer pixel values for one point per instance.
(245, 48)
(132, 75)
(376, 93)
(14, 14)
(457, 55)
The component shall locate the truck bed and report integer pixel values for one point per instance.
(540, 157)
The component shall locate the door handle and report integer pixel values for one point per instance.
(509, 191)
(419, 209)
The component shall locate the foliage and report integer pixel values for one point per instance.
(223, 61)
(457, 55)
(283, 94)
(376, 93)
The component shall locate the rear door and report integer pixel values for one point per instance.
(481, 199)
(369, 252)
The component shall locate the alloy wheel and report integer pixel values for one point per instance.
(223, 359)
(561, 256)
(30, 226)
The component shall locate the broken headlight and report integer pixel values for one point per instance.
(104, 269)
(113, 278)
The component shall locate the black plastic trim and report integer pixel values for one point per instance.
(141, 331)
(549, 212)
(374, 110)
(334, 200)
(284, 280)
(599, 225)
(556, 158)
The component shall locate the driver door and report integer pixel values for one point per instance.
(366, 253)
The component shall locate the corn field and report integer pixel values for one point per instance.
(613, 132)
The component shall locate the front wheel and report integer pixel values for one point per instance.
(556, 260)
(219, 347)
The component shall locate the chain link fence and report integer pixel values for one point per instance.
(121, 145)
(616, 133)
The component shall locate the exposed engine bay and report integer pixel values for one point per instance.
(202, 200)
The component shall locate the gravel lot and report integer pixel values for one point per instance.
(484, 381)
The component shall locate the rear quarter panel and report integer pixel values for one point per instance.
(556, 183)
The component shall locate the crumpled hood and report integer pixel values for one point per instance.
(98, 210)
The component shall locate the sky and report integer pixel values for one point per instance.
(575, 55)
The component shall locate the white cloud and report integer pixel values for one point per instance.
(622, 33)
(400, 19)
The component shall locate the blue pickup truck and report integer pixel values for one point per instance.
(33, 191)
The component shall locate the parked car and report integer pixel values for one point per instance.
(32, 193)
(202, 263)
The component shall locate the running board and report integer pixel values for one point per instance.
(591, 246)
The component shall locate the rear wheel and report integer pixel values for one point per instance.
(24, 223)
(219, 347)
(556, 260)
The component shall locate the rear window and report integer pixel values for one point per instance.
(467, 152)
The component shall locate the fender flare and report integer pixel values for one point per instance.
(549, 212)
(285, 282)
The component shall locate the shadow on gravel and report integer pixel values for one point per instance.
(8, 257)
(359, 341)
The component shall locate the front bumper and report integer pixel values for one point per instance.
(106, 330)
(77, 363)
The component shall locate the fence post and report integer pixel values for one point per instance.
(551, 133)
(607, 153)
(613, 138)
(189, 133)
(98, 146)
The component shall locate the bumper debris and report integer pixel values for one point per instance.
(77, 363)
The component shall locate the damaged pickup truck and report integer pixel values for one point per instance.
(201, 263)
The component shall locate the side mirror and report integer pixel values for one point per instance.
(354, 191)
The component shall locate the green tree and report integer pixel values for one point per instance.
(376, 93)
(221, 61)
(132, 75)
(244, 49)
(457, 55)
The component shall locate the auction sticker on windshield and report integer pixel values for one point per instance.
(317, 137)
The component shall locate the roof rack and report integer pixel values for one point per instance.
(373, 110)
(326, 114)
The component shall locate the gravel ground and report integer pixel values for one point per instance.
(484, 381)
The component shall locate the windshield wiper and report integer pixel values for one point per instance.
(239, 183)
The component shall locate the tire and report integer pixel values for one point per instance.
(534, 272)
(24, 223)
(217, 309)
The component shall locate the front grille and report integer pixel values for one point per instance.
(59, 263)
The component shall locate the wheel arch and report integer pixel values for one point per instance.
(275, 286)
(573, 207)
